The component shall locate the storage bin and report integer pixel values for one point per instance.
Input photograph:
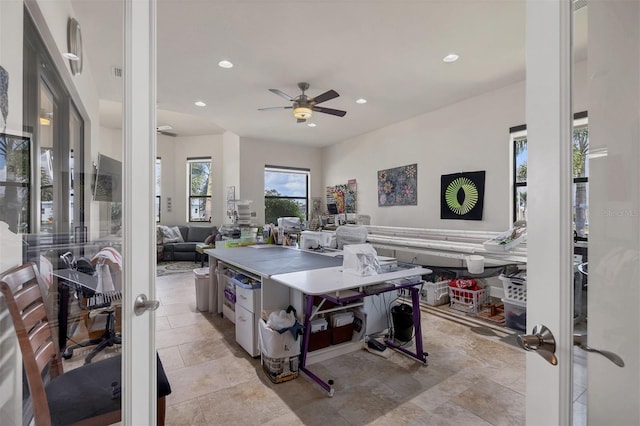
(319, 339)
(468, 301)
(280, 370)
(515, 286)
(435, 294)
(341, 334)
(276, 345)
(515, 314)
(202, 288)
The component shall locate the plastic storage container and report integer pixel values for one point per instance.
(280, 353)
(435, 294)
(515, 314)
(202, 288)
(466, 300)
(515, 286)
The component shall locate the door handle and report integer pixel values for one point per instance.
(142, 304)
(541, 341)
(580, 340)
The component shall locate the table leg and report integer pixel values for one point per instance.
(305, 348)
(419, 354)
(63, 314)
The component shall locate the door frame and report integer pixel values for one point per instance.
(139, 391)
(549, 240)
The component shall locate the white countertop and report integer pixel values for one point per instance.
(331, 280)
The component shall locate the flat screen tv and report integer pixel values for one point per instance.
(108, 185)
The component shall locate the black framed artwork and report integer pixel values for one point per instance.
(462, 196)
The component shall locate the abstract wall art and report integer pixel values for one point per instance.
(398, 186)
(462, 196)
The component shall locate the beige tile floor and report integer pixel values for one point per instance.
(471, 378)
(475, 375)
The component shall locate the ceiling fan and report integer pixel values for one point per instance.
(164, 130)
(303, 106)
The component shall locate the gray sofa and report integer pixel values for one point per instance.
(192, 235)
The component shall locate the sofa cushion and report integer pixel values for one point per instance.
(199, 233)
(188, 246)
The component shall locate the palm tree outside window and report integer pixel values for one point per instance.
(580, 190)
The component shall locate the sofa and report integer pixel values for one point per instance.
(178, 242)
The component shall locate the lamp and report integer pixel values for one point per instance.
(302, 112)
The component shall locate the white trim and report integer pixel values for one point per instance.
(549, 238)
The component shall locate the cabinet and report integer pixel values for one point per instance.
(246, 318)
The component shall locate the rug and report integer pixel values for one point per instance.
(176, 267)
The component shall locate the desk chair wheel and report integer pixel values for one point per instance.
(67, 354)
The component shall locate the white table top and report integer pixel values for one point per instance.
(330, 280)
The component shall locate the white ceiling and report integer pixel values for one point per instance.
(389, 52)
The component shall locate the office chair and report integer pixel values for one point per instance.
(106, 300)
(86, 395)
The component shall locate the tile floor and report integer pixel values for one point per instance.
(475, 375)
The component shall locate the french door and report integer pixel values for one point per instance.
(612, 391)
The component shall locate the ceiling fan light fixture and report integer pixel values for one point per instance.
(302, 113)
(361, 101)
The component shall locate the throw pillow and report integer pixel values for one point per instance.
(175, 231)
(208, 240)
(167, 235)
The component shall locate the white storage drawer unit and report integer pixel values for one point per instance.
(246, 319)
(248, 299)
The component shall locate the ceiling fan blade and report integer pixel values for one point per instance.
(281, 93)
(274, 108)
(331, 111)
(326, 96)
(162, 132)
(301, 120)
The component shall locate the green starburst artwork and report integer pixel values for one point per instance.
(462, 196)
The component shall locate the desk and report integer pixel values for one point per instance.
(336, 286)
(77, 279)
(288, 273)
(200, 248)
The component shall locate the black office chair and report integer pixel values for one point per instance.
(89, 394)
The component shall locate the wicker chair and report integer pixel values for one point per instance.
(82, 396)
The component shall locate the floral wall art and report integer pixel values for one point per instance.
(398, 186)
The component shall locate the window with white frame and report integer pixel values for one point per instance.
(286, 193)
(200, 183)
(158, 180)
(580, 189)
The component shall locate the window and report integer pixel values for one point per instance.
(580, 191)
(199, 189)
(15, 172)
(286, 193)
(158, 180)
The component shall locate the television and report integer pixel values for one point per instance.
(108, 183)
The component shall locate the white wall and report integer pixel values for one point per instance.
(471, 135)
(174, 152)
(255, 154)
(230, 173)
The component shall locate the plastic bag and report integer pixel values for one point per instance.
(361, 260)
(279, 320)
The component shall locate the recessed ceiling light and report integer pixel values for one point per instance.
(361, 101)
(311, 124)
(200, 104)
(451, 57)
(225, 64)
